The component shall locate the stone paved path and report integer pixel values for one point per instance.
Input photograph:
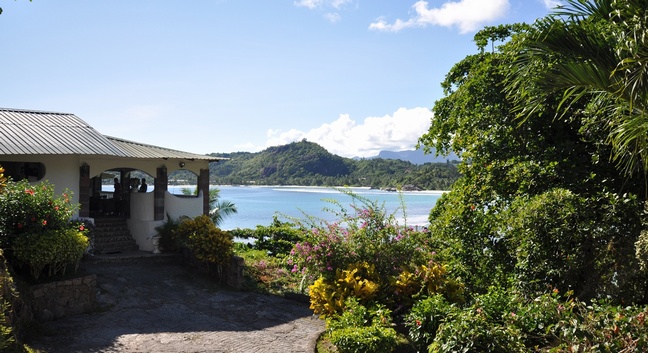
(148, 307)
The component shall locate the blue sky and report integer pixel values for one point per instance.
(355, 76)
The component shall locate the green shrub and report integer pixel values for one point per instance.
(371, 339)
(600, 327)
(361, 330)
(205, 242)
(13, 320)
(167, 233)
(471, 331)
(278, 239)
(54, 250)
(583, 244)
(641, 251)
(424, 320)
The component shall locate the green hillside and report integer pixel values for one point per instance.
(306, 163)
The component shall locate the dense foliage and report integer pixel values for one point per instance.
(202, 240)
(306, 163)
(539, 204)
(366, 263)
(264, 250)
(36, 228)
(546, 225)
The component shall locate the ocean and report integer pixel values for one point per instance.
(257, 205)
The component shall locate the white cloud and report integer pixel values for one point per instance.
(248, 147)
(345, 137)
(552, 4)
(467, 15)
(333, 17)
(312, 4)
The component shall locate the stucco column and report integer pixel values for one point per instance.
(203, 185)
(161, 185)
(84, 191)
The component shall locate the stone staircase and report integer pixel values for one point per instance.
(111, 236)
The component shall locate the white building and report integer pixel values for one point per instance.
(69, 153)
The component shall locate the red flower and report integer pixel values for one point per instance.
(418, 323)
(56, 208)
(81, 228)
(44, 222)
(29, 191)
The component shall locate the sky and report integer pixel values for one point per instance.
(219, 76)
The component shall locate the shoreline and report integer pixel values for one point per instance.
(368, 188)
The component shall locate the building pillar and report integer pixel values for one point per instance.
(203, 185)
(84, 191)
(161, 186)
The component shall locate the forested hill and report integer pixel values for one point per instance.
(309, 164)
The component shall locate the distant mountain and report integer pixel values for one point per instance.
(309, 164)
(416, 156)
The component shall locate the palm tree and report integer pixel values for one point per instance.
(219, 209)
(595, 53)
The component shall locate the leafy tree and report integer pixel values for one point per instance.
(510, 167)
(597, 52)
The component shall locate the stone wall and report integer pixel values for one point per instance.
(54, 300)
(235, 272)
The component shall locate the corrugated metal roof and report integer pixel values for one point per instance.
(37, 132)
(141, 150)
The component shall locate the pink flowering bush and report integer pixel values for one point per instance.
(366, 234)
(398, 261)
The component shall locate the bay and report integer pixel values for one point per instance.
(257, 205)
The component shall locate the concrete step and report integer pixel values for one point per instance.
(111, 235)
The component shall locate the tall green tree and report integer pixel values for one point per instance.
(594, 54)
(539, 204)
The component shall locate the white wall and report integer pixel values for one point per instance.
(141, 223)
(177, 206)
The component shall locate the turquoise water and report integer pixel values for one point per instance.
(257, 204)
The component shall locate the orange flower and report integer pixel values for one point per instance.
(29, 191)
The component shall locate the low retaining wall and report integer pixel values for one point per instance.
(54, 300)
